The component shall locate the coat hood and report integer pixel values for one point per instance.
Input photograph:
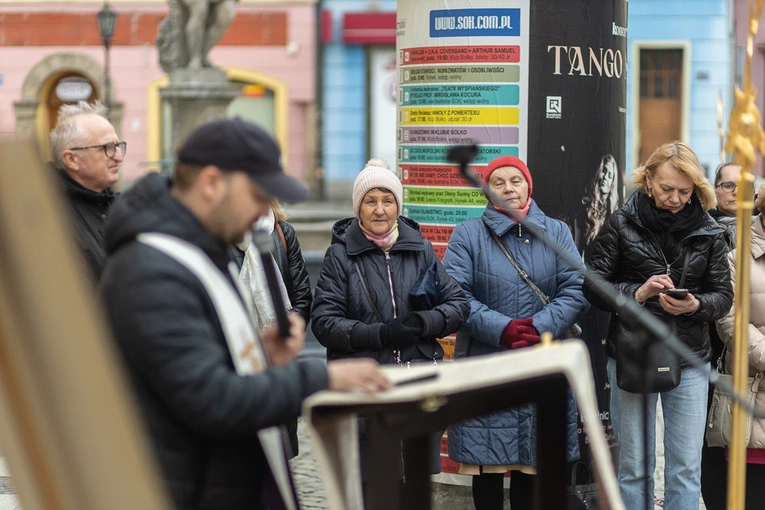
(149, 207)
(348, 232)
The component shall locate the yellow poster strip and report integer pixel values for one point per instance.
(476, 116)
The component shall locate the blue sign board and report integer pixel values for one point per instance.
(475, 22)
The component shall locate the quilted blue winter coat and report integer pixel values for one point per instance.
(497, 294)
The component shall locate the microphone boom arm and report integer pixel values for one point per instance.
(628, 309)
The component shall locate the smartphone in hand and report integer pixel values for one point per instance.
(676, 293)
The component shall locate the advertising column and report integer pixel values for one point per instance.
(544, 81)
(463, 79)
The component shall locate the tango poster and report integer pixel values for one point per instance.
(544, 81)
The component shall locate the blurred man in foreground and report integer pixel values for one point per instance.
(210, 388)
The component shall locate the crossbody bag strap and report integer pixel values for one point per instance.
(518, 268)
(280, 233)
(366, 291)
(685, 268)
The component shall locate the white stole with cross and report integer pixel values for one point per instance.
(243, 342)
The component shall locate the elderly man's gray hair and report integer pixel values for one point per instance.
(66, 130)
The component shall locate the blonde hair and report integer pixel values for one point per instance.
(760, 202)
(279, 212)
(682, 159)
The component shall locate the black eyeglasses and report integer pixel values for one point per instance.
(110, 149)
(727, 186)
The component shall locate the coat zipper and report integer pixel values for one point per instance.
(396, 352)
(390, 283)
(657, 243)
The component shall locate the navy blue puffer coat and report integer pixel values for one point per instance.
(497, 294)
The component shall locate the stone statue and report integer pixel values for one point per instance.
(190, 31)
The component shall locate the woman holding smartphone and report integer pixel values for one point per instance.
(661, 237)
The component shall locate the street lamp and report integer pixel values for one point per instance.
(107, 19)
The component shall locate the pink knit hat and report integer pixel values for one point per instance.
(508, 161)
(376, 174)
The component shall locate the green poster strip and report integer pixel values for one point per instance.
(444, 196)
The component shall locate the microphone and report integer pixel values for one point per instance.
(462, 155)
(264, 243)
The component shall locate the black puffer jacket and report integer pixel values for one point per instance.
(627, 254)
(89, 210)
(728, 223)
(294, 274)
(341, 308)
(201, 416)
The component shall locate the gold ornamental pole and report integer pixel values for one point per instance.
(745, 135)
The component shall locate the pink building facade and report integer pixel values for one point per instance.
(270, 50)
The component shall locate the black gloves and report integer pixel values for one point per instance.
(402, 331)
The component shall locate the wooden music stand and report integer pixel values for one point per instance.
(463, 389)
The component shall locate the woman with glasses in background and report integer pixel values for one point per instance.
(755, 452)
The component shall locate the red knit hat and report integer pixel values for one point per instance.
(508, 161)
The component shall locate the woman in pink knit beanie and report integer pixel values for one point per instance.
(362, 303)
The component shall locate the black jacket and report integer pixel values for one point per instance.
(728, 223)
(294, 274)
(627, 254)
(343, 319)
(89, 211)
(202, 417)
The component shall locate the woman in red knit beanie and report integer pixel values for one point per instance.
(507, 314)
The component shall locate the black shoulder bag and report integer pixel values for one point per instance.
(644, 364)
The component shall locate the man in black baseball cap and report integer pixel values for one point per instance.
(235, 144)
(209, 386)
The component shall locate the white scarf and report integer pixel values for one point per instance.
(253, 277)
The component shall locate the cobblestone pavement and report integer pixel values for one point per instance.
(306, 474)
(8, 499)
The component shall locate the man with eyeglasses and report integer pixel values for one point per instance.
(86, 154)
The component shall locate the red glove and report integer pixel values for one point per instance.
(520, 333)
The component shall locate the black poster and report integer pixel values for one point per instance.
(576, 136)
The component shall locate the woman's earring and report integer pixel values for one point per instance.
(689, 201)
(649, 193)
